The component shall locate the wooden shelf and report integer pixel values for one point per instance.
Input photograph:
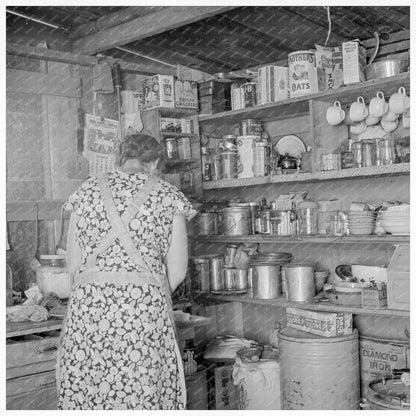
(297, 239)
(370, 171)
(296, 106)
(171, 163)
(174, 112)
(176, 134)
(318, 306)
(14, 329)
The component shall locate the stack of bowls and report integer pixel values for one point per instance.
(361, 222)
(396, 219)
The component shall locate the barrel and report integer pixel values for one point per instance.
(319, 373)
(197, 391)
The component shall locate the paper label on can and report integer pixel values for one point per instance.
(303, 77)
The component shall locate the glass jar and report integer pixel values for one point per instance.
(171, 148)
(228, 164)
(52, 276)
(308, 217)
(368, 153)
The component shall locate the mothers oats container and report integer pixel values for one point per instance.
(302, 73)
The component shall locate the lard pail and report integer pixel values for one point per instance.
(319, 373)
(237, 221)
(302, 73)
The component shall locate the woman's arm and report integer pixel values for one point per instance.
(177, 255)
(73, 250)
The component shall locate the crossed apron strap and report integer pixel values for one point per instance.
(119, 225)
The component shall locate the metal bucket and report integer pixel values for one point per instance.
(266, 280)
(299, 281)
(378, 358)
(237, 221)
(319, 373)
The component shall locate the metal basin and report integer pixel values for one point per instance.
(383, 69)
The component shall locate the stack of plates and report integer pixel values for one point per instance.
(272, 258)
(396, 219)
(361, 222)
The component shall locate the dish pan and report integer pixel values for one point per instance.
(291, 144)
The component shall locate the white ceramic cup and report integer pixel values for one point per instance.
(399, 102)
(390, 116)
(335, 114)
(389, 126)
(358, 128)
(358, 110)
(378, 106)
(371, 120)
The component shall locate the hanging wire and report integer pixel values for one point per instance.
(328, 13)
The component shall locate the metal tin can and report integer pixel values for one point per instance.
(207, 223)
(358, 154)
(200, 282)
(302, 73)
(250, 94)
(229, 279)
(250, 127)
(241, 279)
(171, 148)
(216, 274)
(237, 221)
(184, 148)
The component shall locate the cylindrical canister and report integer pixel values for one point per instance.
(266, 281)
(200, 281)
(319, 373)
(302, 73)
(184, 148)
(358, 154)
(241, 279)
(300, 281)
(229, 278)
(245, 153)
(216, 273)
(197, 390)
(207, 223)
(250, 127)
(368, 153)
(308, 217)
(237, 221)
(228, 164)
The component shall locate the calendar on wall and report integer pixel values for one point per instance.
(100, 143)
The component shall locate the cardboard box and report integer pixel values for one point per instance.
(273, 84)
(226, 393)
(158, 91)
(214, 97)
(329, 205)
(237, 96)
(186, 94)
(374, 297)
(353, 61)
(325, 324)
(329, 67)
(398, 279)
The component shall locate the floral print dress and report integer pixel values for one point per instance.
(118, 347)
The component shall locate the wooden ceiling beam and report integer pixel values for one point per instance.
(144, 26)
(113, 19)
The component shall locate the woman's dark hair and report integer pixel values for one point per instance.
(142, 147)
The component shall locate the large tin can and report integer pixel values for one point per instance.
(216, 272)
(237, 221)
(302, 73)
(207, 223)
(200, 281)
(184, 148)
(245, 153)
(250, 94)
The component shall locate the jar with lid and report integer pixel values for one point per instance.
(228, 164)
(250, 127)
(368, 153)
(52, 276)
(260, 159)
(308, 217)
(171, 148)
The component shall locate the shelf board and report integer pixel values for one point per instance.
(180, 162)
(176, 134)
(299, 105)
(369, 171)
(318, 306)
(325, 239)
(173, 112)
(14, 329)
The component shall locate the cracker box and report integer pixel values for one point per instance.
(325, 324)
(353, 61)
(273, 84)
(226, 392)
(158, 91)
(186, 94)
(374, 297)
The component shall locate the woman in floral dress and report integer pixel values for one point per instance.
(127, 247)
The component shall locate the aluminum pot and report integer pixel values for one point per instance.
(300, 281)
(266, 280)
(383, 69)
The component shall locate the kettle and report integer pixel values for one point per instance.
(287, 162)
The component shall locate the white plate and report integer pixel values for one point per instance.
(291, 144)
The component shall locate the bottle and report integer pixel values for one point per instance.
(257, 218)
(265, 218)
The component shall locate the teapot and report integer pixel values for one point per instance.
(287, 162)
